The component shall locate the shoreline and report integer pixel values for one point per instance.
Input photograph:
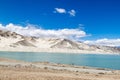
(50, 65)
(50, 50)
(19, 70)
(63, 53)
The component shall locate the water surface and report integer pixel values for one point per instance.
(93, 60)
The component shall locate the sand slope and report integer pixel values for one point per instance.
(11, 41)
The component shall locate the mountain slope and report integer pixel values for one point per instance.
(13, 41)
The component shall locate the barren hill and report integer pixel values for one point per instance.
(11, 41)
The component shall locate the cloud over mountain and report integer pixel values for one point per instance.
(31, 30)
(104, 42)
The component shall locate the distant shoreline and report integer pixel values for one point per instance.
(50, 50)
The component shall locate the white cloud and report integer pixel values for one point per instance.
(72, 12)
(63, 11)
(60, 10)
(31, 30)
(104, 42)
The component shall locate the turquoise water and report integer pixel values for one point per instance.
(93, 60)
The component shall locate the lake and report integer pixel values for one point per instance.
(92, 60)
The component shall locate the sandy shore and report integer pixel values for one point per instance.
(20, 70)
(54, 50)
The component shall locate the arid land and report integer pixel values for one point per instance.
(11, 41)
(20, 70)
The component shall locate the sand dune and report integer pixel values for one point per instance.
(11, 41)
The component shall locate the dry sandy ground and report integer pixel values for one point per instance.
(54, 50)
(17, 70)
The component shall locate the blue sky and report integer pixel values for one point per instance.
(98, 18)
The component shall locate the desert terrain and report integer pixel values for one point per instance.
(11, 41)
(20, 70)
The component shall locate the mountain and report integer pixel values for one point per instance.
(11, 41)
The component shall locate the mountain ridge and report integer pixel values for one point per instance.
(11, 40)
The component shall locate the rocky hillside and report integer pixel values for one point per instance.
(11, 39)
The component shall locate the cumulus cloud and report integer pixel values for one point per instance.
(72, 12)
(31, 30)
(104, 42)
(64, 11)
(60, 10)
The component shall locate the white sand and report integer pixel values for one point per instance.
(44, 45)
(56, 50)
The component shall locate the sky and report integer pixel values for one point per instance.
(91, 21)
